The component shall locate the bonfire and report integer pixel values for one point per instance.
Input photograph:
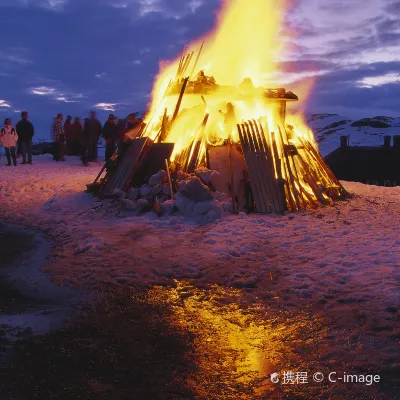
(216, 105)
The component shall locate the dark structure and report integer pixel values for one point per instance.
(379, 165)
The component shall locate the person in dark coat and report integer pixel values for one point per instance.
(80, 139)
(59, 139)
(25, 132)
(92, 129)
(110, 134)
(69, 136)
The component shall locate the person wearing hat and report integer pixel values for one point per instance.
(110, 134)
(25, 133)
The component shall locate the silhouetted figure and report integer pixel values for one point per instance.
(110, 134)
(69, 136)
(9, 139)
(92, 129)
(59, 139)
(25, 133)
(80, 140)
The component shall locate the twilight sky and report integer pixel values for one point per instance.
(74, 55)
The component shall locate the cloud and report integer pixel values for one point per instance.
(372, 81)
(52, 5)
(106, 106)
(4, 104)
(43, 91)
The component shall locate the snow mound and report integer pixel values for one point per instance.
(194, 198)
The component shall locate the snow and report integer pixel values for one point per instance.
(352, 247)
(328, 137)
(342, 261)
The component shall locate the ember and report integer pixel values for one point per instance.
(213, 96)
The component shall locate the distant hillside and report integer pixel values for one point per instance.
(328, 128)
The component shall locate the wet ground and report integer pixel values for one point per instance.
(185, 343)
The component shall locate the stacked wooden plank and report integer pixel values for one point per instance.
(126, 166)
(263, 169)
(283, 177)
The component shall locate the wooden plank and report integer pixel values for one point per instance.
(290, 172)
(257, 175)
(152, 161)
(127, 163)
(264, 168)
(250, 165)
(179, 102)
(269, 169)
(277, 189)
(288, 150)
(278, 162)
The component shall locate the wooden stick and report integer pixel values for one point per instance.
(303, 200)
(264, 205)
(277, 182)
(263, 172)
(275, 198)
(250, 166)
(234, 208)
(197, 60)
(283, 182)
(171, 193)
(289, 168)
(178, 104)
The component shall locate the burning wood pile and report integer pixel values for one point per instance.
(235, 128)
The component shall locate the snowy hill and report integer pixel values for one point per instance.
(328, 128)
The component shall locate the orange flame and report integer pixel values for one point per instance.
(236, 59)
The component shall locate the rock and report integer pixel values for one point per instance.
(142, 204)
(184, 205)
(193, 189)
(145, 190)
(205, 206)
(128, 204)
(168, 207)
(208, 176)
(133, 194)
(118, 192)
(157, 178)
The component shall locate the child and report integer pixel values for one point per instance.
(9, 139)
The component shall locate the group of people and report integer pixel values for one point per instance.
(72, 138)
(17, 140)
(69, 138)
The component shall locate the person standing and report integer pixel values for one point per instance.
(69, 135)
(59, 139)
(110, 134)
(80, 139)
(9, 139)
(25, 133)
(92, 130)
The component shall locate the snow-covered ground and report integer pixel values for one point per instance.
(328, 128)
(343, 261)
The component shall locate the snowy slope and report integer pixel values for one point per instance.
(328, 128)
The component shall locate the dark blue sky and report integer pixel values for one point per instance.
(72, 56)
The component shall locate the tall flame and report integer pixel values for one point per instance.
(203, 97)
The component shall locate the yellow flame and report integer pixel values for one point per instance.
(230, 66)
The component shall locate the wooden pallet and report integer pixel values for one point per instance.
(128, 162)
(265, 175)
